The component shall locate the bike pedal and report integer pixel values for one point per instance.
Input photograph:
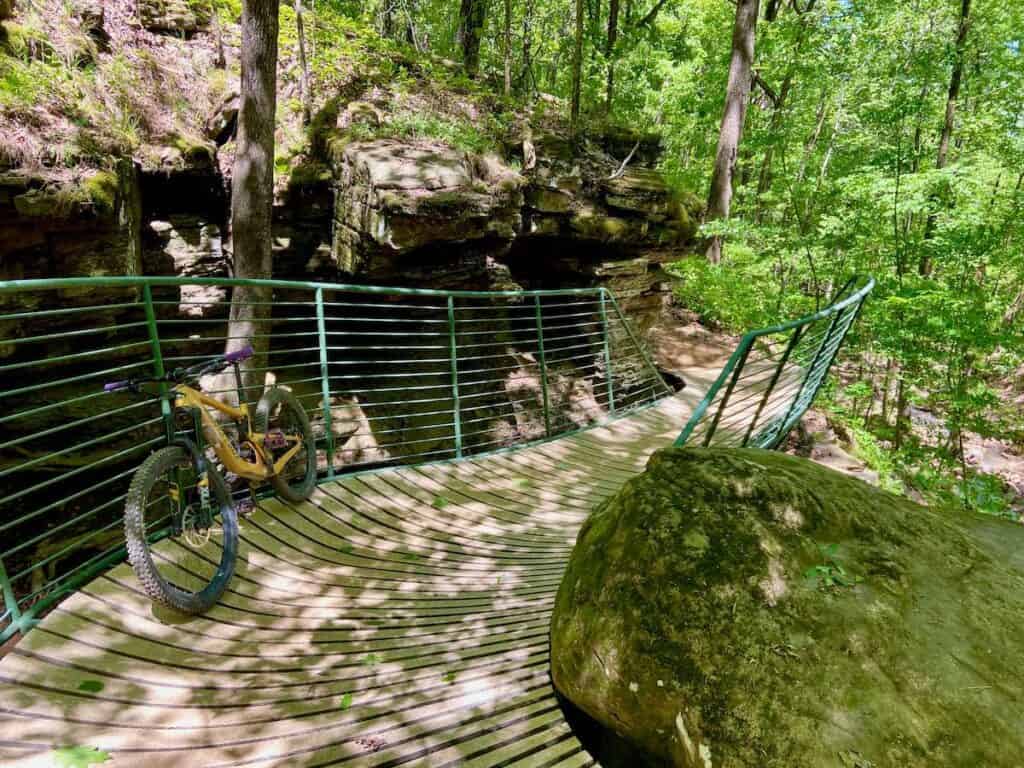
(245, 507)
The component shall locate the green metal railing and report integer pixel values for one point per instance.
(773, 377)
(388, 375)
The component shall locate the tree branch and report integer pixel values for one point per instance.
(772, 95)
(622, 168)
(651, 14)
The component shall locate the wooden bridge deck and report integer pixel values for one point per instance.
(397, 618)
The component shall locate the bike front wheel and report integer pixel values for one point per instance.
(181, 530)
(283, 422)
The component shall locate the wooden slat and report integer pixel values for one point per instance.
(429, 620)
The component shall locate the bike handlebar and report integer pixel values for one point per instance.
(215, 365)
(239, 355)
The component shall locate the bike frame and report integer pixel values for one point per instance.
(259, 469)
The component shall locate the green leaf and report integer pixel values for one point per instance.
(440, 502)
(370, 659)
(345, 548)
(79, 757)
(90, 686)
(449, 677)
(346, 701)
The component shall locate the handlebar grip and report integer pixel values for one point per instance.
(239, 355)
(113, 386)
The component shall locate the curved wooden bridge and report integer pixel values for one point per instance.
(400, 617)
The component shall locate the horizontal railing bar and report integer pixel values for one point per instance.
(66, 334)
(74, 356)
(396, 305)
(72, 380)
(389, 389)
(60, 502)
(414, 320)
(78, 470)
(511, 306)
(51, 531)
(68, 310)
(402, 334)
(394, 346)
(408, 361)
(76, 423)
(129, 281)
(63, 576)
(77, 447)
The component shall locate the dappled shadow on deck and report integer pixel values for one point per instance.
(397, 617)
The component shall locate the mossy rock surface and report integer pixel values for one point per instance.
(746, 608)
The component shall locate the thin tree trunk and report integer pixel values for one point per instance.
(471, 23)
(925, 264)
(609, 52)
(901, 412)
(252, 189)
(812, 140)
(577, 66)
(736, 96)
(508, 47)
(528, 80)
(304, 82)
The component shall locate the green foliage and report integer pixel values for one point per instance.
(830, 574)
(90, 686)
(346, 701)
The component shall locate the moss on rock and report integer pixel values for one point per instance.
(747, 608)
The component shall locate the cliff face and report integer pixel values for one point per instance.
(407, 176)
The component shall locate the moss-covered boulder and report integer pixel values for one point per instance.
(746, 608)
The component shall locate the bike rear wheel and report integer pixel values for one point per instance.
(181, 530)
(280, 418)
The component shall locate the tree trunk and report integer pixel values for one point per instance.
(471, 24)
(527, 80)
(252, 188)
(736, 95)
(508, 47)
(609, 52)
(812, 140)
(925, 264)
(304, 83)
(577, 66)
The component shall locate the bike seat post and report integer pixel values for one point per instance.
(238, 383)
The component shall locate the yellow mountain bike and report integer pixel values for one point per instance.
(180, 521)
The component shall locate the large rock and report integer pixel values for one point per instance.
(395, 197)
(173, 16)
(751, 609)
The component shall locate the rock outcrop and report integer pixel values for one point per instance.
(173, 16)
(415, 211)
(750, 609)
(394, 199)
(90, 225)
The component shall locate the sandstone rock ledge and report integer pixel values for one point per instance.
(746, 608)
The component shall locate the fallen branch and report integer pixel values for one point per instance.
(622, 168)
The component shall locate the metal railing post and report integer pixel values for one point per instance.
(543, 365)
(453, 351)
(158, 359)
(793, 341)
(745, 346)
(325, 386)
(783, 431)
(607, 355)
(9, 599)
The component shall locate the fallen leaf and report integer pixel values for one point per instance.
(79, 757)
